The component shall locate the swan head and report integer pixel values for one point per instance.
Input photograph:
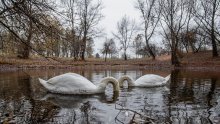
(126, 78)
(107, 80)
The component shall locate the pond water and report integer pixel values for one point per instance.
(191, 97)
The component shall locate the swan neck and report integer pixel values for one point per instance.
(107, 80)
(128, 79)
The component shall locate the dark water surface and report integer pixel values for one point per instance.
(191, 97)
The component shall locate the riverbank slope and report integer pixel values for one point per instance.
(192, 61)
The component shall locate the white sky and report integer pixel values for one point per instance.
(113, 11)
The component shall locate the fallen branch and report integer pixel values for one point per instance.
(146, 118)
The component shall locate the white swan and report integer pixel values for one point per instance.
(71, 83)
(149, 80)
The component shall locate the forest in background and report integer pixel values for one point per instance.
(41, 28)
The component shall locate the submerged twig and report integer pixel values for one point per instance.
(146, 118)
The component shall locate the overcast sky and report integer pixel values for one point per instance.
(113, 11)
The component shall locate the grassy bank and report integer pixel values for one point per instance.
(13, 63)
(192, 61)
(200, 61)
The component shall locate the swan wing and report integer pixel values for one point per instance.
(68, 77)
(71, 82)
(150, 80)
(75, 74)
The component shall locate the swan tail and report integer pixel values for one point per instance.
(44, 83)
(167, 78)
(45, 97)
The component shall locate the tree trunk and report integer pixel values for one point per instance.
(125, 56)
(148, 46)
(174, 59)
(83, 49)
(214, 46)
(106, 56)
(150, 51)
(83, 53)
(25, 50)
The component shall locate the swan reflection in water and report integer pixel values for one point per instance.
(75, 101)
(80, 108)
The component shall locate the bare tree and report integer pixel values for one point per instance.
(89, 14)
(113, 49)
(126, 29)
(109, 47)
(173, 16)
(24, 50)
(73, 18)
(207, 16)
(89, 47)
(71, 14)
(23, 18)
(138, 44)
(150, 12)
(190, 5)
